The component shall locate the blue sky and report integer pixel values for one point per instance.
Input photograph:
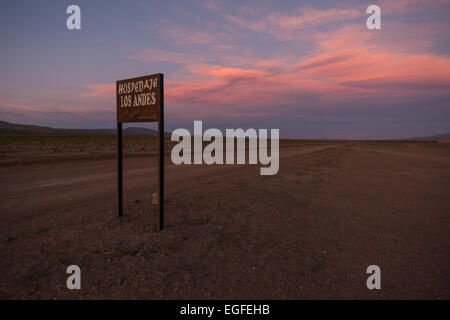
(310, 68)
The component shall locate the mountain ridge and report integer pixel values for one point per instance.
(443, 136)
(24, 129)
(15, 128)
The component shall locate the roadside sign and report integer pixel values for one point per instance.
(141, 100)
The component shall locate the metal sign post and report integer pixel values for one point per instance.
(161, 153)
(141, 100)
(119, 170)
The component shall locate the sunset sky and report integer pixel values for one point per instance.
(310, 68)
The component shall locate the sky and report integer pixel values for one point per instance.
(309, 68)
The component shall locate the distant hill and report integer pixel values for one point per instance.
(141, 131)
(6, 127)
(23, 129)
(444, 136)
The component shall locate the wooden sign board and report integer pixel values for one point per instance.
(139, 99)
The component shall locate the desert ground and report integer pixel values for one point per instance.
(309, 232)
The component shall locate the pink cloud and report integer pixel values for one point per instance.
(349, 55)
(31, 105)
(402, 6)
(156, 55)
(209, 4)
(181, 36)
(227, 54)
(100, 90)
(345, 64)
(285, 26)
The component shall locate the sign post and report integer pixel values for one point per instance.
(119, 170)
(141, 100)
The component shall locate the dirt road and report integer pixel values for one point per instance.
(308, 232)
